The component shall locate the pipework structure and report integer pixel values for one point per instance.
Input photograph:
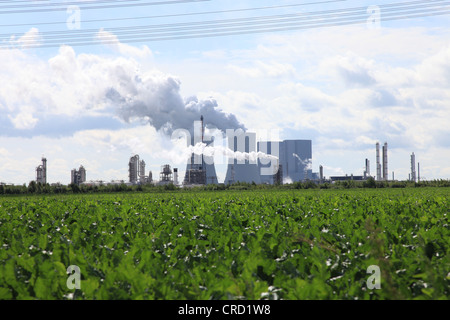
(78, 176)
(165, 176)
(136, 170)
(41, 172)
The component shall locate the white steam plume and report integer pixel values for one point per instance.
(157, 99)
(307, 163)
(182, 153)
(211, 151)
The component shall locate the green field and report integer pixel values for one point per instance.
(294, 244)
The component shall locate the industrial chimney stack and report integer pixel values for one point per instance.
(413, 167)
(378, 162)
(385, 162)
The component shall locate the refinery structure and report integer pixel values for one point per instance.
(277, 162)
(78, 176)
(41, 172)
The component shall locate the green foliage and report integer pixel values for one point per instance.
(230, 244)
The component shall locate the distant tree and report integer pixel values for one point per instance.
(75, 188)
(370, 183)
(32, 188)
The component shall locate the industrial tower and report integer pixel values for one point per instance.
(41, 172)
(200, 169)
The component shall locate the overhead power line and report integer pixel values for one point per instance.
(180, 14)
(90, 5)
(215, 28)
(292, 17)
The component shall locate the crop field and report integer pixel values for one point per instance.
(296, 244)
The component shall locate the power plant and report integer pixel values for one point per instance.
(263, 162)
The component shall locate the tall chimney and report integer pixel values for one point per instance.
(418, 169)
(385, 162)
(175, 176)
(378, 162)
(413, 167)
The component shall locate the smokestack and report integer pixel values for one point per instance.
(413, 167)
(418, 169)
(367, 171)
(385, 162)
(142, 171)
(378, 162)
(44, 166)
(175, 176)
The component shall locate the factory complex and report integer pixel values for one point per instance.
(248, 160)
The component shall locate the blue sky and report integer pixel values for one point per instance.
(343, 87)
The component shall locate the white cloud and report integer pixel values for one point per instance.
(112, 41)
(344, 88)
(30, 39)
(24, 121)
(264, 69)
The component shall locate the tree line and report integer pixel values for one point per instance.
(39, 188)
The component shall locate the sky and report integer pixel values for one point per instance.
(121, 90)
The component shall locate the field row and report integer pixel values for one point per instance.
(298, 244)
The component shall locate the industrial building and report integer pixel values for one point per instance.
(347, 178)
(295, 157)
(165, 176)
(200, 170)
(294, 160)
(136, 171)
(382, 170)
(242, 170)
(41, 172)
(78, 176)
(270, 173)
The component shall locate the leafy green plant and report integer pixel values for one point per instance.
(230, 244)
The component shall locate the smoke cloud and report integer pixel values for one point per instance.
(158, 101)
